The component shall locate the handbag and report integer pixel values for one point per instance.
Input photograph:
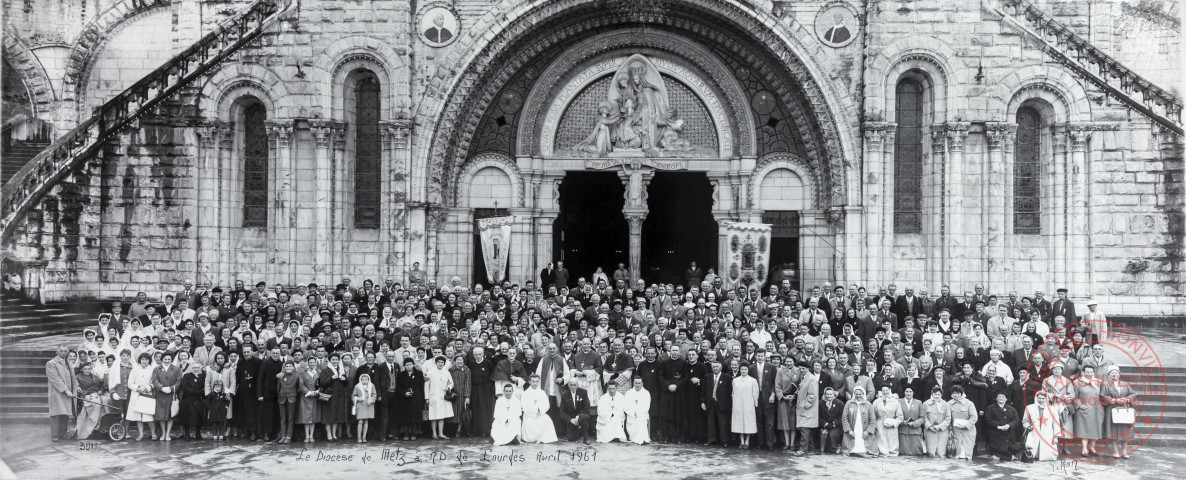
(1124, 415)
(323, 397)
(176, 408)
(144, 405)
(450, 395)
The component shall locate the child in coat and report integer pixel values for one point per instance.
(217, 404)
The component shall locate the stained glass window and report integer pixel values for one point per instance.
(367, 174)
(908, 159)
(255, 167)
(1027, 170)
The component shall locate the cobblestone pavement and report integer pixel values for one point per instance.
(471, 458)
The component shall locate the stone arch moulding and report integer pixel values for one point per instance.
(717, 80)
(927, 54)
(94, 37)
(775, 161)
(483, 160)
(1046, 82)
(234, 80)
(359, 51)
(802, 56)
(31, 71)
(559, 104)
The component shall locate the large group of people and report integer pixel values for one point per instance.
(831, 370)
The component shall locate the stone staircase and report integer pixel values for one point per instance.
(21, 319)
(23, 386)
(66, 156)
(17, 155)
(1076, 53)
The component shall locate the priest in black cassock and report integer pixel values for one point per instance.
(247, 410)
(482, 394)
(673, 377)
(692, 421)
(266, 392)
(648, 371)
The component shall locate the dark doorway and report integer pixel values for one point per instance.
(479, 273)
(784, 246)
(591, 231)
(679, 228)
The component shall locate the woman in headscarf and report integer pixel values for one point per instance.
(964, 415)
(858, 422)
(193, 404)
(937, 415)
(1116, 394)
(1041, 420)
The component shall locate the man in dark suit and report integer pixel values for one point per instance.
(188, 297)
(1020, 358)
(945, 301)
(968, 305)
(574, 412)
(386, 407)
(717, 402)
(561, 277)
(266, 392)
(831, 412)
(1063, 306)
(907, 305)
(547, 276)
(764, 371)
(939, 379)
(1043, 306)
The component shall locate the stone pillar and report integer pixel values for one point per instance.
(436, 217)
(324, 132)
(395, 218)
(1077, 253)
(542, 238)
(934, 195)
(211, 249)
(1057, 247)
(954, 241)
(636, 177)
(521, 260)
(837, 217)
(873, 239)
(283, 238)
(339, 215)
(855, 257)
(996, 133)
(32, 277)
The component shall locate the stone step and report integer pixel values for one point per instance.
(45, 318)
(18, 388)
(6, 407)
(24, 418)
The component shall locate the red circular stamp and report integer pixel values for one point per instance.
(1095, 392)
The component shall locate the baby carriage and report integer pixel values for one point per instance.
(110, 422)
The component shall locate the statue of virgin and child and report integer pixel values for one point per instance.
(635, 115)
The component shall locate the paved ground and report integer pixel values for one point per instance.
(30, 456)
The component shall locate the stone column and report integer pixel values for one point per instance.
(996, 133)
(1077, 253)
(324, 132)
(955, 185)
(394, 213)
(933, 197)
(1058, 195)
(282, 236)
(876, 182)
(636, 177)
(211, 249)
(436, 217)
(339, 215)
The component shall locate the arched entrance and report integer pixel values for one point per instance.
(590, 230)
(679, 228)
(544, 85)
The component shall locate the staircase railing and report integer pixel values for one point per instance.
(1097, 67)
(26, 188)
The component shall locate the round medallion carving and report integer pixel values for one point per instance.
(763, 102)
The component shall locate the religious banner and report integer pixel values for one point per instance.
(496, 242)
(747, 258)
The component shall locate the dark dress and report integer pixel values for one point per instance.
(334, 411)
(193, 406)
(216, 407)
(482, 395)
(410, 408)
(162, 378)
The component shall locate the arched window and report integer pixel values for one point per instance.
(908, 158)
(367, 159)
(1027, 170)
(255, 166)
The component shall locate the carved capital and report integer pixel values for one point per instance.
(957, 133)
(211, 132)
(634, 221)
(323, 131)
(836, 217)
(997, 134)
(280, 131)
(938, 139)
(1081, 132)
(396, 133)
(876, 133)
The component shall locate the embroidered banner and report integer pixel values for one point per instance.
(748, 255)
(496, 242)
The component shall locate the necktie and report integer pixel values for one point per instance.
(716, 380)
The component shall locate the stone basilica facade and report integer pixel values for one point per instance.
(1020, 144)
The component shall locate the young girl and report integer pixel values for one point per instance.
(364, 405)
(217, 403)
